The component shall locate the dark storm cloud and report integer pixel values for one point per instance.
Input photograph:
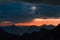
(15, 12)
(55, 2)
(52, 2)
(21, 12)
(49, 11)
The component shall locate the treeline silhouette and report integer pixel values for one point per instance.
(43, 34)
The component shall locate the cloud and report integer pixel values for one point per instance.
(54, 2)
(21, 12)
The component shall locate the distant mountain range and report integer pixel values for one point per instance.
(42, 34)
(25, 29)
(20, 30)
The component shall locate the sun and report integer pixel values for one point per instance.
(33, 8)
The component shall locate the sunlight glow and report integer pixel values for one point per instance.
(33, 8)
(36, 21)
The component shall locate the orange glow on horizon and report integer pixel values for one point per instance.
(6, 23)
(39, 22)
(36, 21)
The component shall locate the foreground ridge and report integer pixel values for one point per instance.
(43, 34)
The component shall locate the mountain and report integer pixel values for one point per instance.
(21, 29)
(32, 29)
(49, 27)
(56, 32)
(7, 36)
(43, 34)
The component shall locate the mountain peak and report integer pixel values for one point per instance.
(58, 26)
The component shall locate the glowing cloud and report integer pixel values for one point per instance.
(6, 23)
(36, 21)
(39, 22)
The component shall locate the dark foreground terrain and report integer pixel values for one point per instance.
(43, 34)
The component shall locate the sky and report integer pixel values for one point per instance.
(37, 22)
(28, 13)
(40, 22)
(22, 11)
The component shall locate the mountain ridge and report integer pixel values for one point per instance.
(26, 29)
(43, 34)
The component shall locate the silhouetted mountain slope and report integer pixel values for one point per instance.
(58, 26)
(43, 34)
(6, 36)
(49, 27)
(56, 32)
(20, 30)
(34, 36)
